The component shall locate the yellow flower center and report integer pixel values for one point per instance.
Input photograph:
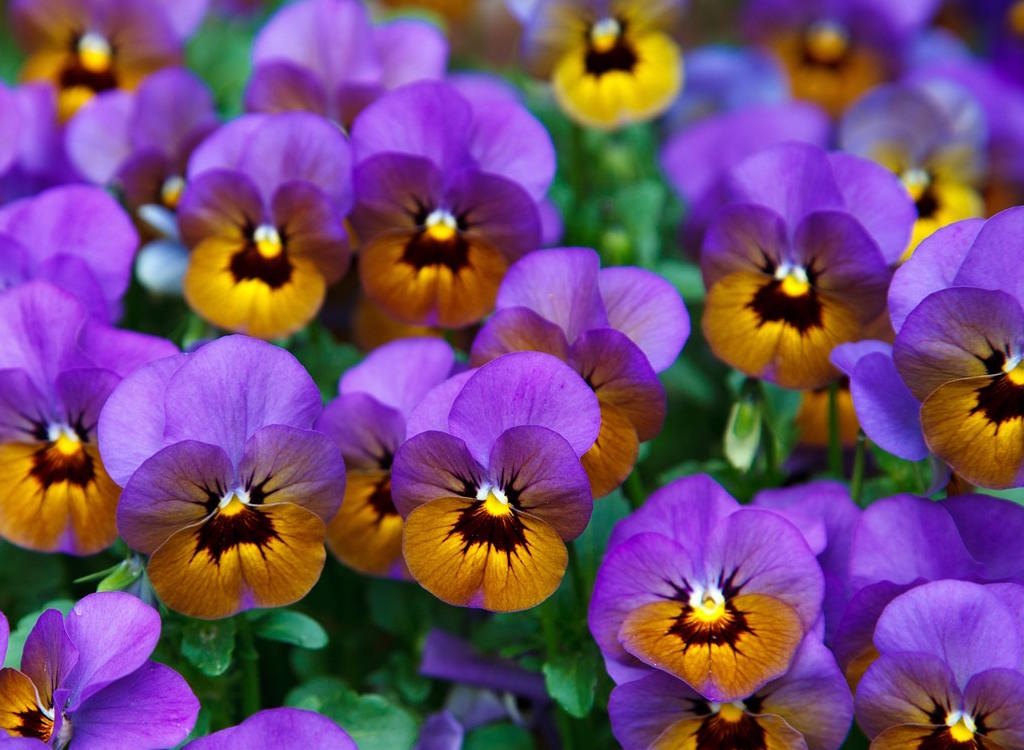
(961, 727)
(794, 280)
(708, 606)
(268, 241)
(441, 226)
(94, 53)
(1014, 370)
(171, 190)
(916, 181)
(68, 443)
(1015, 18)
(604, 35)
(233, 503)
(731, 712)
(495, 501)
(826, 42)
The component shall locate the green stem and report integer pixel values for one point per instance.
(249, 659)
(576, 574)
(549, 626)
(634, 490)
(835, 447)
(857, 480)
(771, 457)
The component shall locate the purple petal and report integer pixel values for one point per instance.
(808, 182)
(119, 350)
(151, 707)
(852, 642)
(440, 731)
(524, 388)
(886, 409)
(962, 623)
(446, 657)
(648, 309)
(878, 200)
(390, 188)
(131, 426)
(295, 466)
(11, 125)
(22, 406)
(427, 119)
(74, 275)
(517, 329)
(540, 468)
(887, 544)
(184, 15)
(279, 728)
(331, 38)
(998, 695)
(218, 203)
(98, 137)
(990, 529)
(232, 387)
(560, 285)
(642, 710)
(899, 689)
(49, 656)
(507, 140)
(223, 148)
(991, 261)
(433, 410)
(409, 50)
(170, 491)
(171, 106)
(739, 239)
(282, 86)
(400, 373)
(433, 465)
(114, 633)
(367, 432)
(497, 209)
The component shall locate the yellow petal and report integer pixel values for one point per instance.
(20, 715)
(610, 459)
(366, 534)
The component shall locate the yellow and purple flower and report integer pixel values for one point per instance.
(447, 192)
(808, 707)
(799, 260)
(226, 486)
(326, 57)
(84, 677)
(368, 423)
(611, 62)
(263, 216)
(57, 368)
(490, 484)
(617, 327)
(690, 587)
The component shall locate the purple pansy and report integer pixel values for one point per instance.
(76, 237)
(948, 672)
(227, 487)
(325, 56)
(368, 423)
(281, 729)
(492, 496)
(57, 368)
(809, 706)
(617, 327)
(447, 193)
(689, 569)
(85, 675)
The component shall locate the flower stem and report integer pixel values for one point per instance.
(835, 447)
(857, 480)
(249, 658)
(634, 490)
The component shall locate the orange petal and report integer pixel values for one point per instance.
(464, 555)
(916, 736)
(752, 643)
(52, 502)
(433, 294)
(610, 459)
(264, 556)
(367, 532)
(714, 732)
(812, 420)
(20, 714)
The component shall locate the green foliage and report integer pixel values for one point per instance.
(289, 626)
(571, 679)
(209, 646)
(373, 722)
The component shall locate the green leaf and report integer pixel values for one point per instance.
(123, 575)
(591, 544)
(289, 626)
(209, 646)
(16, 643)
(571, 679)
(505, 736)
(373, 721)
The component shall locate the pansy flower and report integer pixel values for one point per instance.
(617, 327)
(282, 729)
(57, 367)
(325, 56)
(75, 237)
(808, 707)
(689, 587)
(32, 154)
(446, 199)
(262, 215)
(948, 674)
(85, 47)
(836, 50)
(368, 423)
(611, 62)
(139, 143)
(798, 262)
(933, 137)
(85, 675)
(492, 488)
(226, 486)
